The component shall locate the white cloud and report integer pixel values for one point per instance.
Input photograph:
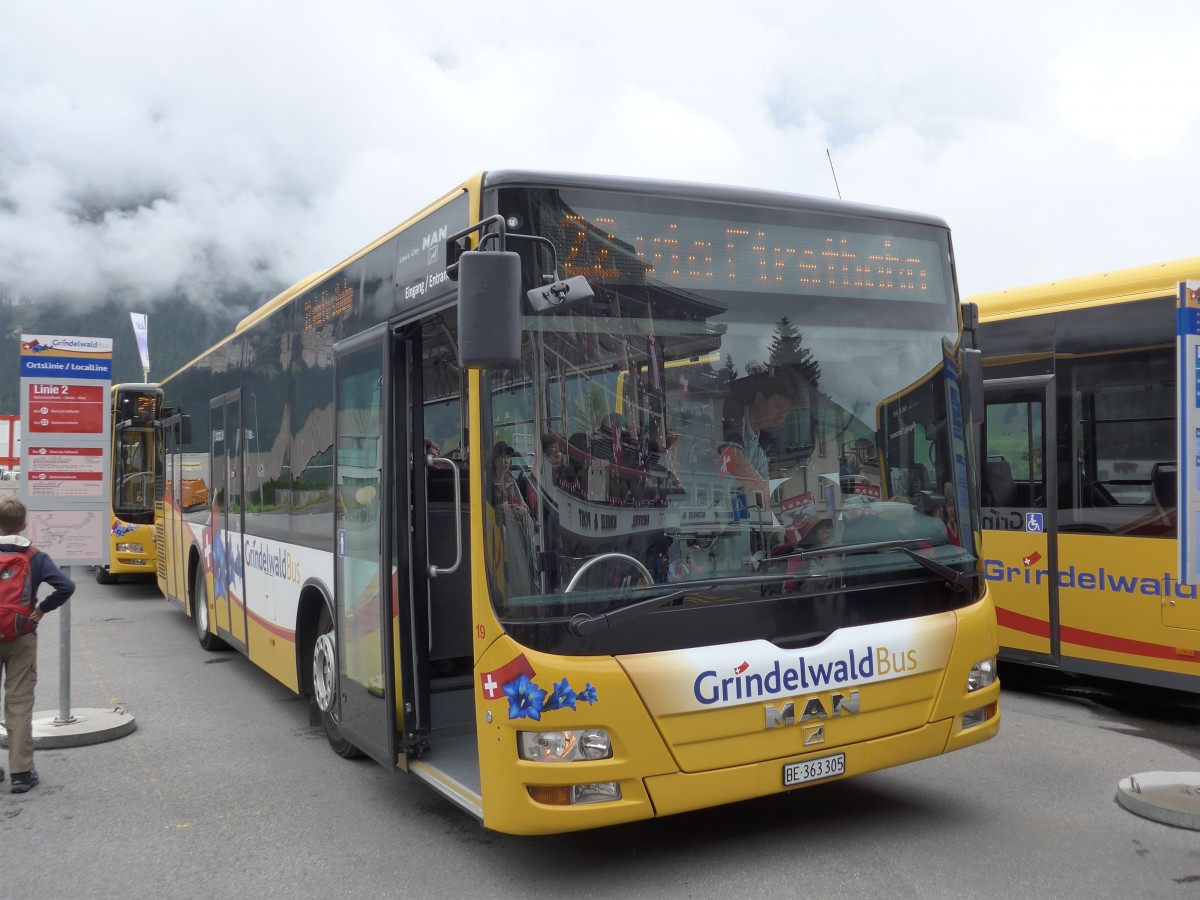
(149, 148)
(1143, 104)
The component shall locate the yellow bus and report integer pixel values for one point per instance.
(136, 408)
(395, 488)
(1079, 476)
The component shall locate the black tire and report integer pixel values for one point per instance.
(103, 576)
(207, 639)
(325, 685)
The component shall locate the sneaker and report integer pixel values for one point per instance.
(23, 781)
(1, 774)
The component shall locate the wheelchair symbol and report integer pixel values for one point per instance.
(1033, 522)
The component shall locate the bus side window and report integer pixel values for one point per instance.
(1122, 409)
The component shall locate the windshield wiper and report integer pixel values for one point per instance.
(956, 578)
(585, 623)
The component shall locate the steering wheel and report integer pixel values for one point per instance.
(604, 557)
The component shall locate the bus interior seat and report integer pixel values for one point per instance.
(581, 445)
(441, 483)
(999, 489)
(1098, 495)
(918, 479)
(449, 595)
(1163, 478)
(579, 451)
(603, 448)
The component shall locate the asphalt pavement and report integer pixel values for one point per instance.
(226, 788)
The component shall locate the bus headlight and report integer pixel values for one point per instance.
(982, 674)
(129, 548)
(565, 746)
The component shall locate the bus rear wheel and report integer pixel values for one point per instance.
(325, 685)
(207, 639)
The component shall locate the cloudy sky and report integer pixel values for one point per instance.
(150, 148)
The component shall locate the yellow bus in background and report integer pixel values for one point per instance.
(633, 632)
(136, 410)
(1079, 471)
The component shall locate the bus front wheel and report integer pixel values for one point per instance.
(325, 685)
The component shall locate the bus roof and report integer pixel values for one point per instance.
(702, 191)
(290, 293)
(1101, 289)
(490, 179)
(279, 300)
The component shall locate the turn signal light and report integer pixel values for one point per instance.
(574, 794)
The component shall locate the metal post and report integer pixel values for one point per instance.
(64, 716)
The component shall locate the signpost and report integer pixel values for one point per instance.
(1188, 433)
(66, 384)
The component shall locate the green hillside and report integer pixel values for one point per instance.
(179, 331)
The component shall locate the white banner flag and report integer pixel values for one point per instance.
(142, 334)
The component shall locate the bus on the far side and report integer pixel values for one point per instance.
(135, 410)
(1079, 470)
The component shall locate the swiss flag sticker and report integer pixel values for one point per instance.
(493, 682)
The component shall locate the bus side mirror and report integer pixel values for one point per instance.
(183, 430)
(973, 375)
(970, 318)
(489, 309)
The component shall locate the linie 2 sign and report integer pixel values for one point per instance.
(66, 385)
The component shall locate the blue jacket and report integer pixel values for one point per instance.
(41, 570)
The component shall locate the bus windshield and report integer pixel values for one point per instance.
(745, 390)
(134, 413)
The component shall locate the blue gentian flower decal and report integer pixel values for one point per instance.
(514, 680)
(220, 566)
(525, 699)
(562, 696)
(227, 565)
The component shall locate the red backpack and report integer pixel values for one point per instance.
(17, 602)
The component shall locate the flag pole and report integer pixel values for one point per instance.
(141, 333)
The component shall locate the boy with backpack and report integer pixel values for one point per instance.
(23, 569)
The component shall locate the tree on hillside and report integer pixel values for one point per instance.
(728, 373)
(787, 349)
(179, 332)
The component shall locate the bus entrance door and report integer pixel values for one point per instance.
(1018, 490)
(440, 733)
(364, 585)
(228, 519)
